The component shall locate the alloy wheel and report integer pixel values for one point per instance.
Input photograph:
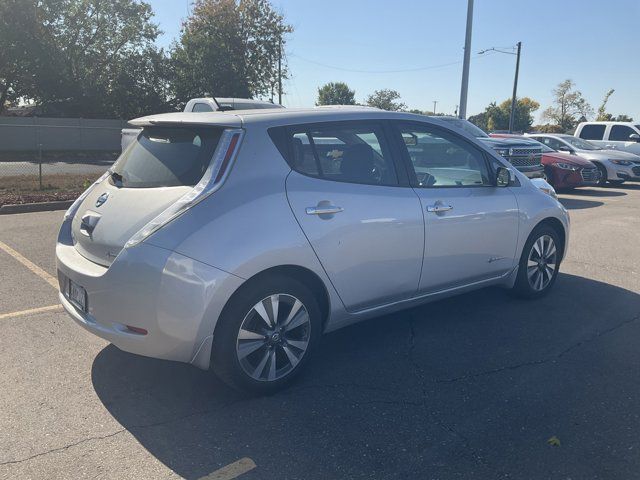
(542, 262)
(273, 337)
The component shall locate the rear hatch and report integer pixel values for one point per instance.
(159, 167)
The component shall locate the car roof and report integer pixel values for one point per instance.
(607, 122)
(276, 117)
(553, 135)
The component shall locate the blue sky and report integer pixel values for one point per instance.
(373, 44)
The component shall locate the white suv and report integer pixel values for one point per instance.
(612, 135)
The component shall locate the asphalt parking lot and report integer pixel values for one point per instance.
(477, 386)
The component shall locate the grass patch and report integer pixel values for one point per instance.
(26, 188)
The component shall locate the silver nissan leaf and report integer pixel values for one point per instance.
(234, 240)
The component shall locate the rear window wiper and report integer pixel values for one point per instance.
(117, 178)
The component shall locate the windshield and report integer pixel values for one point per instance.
(465, 125)
(166, 157)
(580, 143)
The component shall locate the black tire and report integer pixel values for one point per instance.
(523, 287)
(224, 354)
(603, 174)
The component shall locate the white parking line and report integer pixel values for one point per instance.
(30, 265)
(233, 470)
(31, 311)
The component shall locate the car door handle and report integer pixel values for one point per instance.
(324, 210)
(439, 207)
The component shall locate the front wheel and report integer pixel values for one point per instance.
(539, 263)
(603, 175)
(266, 335)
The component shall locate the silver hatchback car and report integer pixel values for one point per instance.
(234, 240)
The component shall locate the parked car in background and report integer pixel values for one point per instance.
(615, 166)
(612, 135)
(235, 240)
(564, 170)
(206, 104)
(524, 154)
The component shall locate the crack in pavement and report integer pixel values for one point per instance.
(113, 434)
(439, 421)
(553, 358)
(64, 447)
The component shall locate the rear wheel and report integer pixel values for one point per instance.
(266, 335)
(539, 263)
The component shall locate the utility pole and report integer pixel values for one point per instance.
(512, 117)
(467, 59)
(280, 71)
(434, 106)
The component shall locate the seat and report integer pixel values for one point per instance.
(358, 164)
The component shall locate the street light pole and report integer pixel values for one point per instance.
(512, 114)
(512, 117)
(467, 59)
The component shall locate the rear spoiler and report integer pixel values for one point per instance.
(218, 119)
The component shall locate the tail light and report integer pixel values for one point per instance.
(213, 178)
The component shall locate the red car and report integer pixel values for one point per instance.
(564, 170)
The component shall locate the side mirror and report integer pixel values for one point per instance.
(634, 137)
(564, 148)
(410, 139)
(503, 177)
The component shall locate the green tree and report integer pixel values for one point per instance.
(336, 93)
(569, 105)
(71, 54)
(603, 116)
(228, 49)
(386, 100)
(496, 117)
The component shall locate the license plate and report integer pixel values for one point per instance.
(77, 295)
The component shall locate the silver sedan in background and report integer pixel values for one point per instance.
(234, 240)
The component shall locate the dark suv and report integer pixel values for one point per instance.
(524, 154)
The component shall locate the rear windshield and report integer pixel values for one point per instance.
(166, 157)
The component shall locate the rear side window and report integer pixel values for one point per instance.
(202, 107)
(166, 157)
(349, 152)
(592, 132)
(621, 133)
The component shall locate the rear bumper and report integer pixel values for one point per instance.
(176, 299)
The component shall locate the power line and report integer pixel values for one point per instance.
(405, 70)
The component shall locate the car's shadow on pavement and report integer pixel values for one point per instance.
(471, 386)
(578, 203)
(588, 192)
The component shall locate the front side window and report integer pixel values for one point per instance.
(621, 133)
(592, 132)
(166, 157)
(344, 153)
(441, 159)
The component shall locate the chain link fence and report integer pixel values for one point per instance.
(54, 158)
